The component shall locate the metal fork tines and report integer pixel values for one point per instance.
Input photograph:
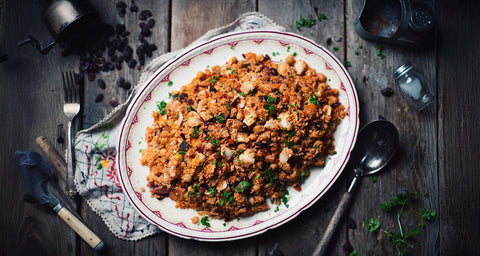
(71, 109)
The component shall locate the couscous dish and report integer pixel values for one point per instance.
(238, 135)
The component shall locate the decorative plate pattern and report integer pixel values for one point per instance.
(182, 70)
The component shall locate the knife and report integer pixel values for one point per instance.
(34, 173)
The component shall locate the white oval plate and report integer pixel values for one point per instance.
(181, 71)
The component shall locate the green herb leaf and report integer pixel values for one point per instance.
(354, 253)
(242, 186)
(196, 130)
(161, 107)
(427, 214)
(373, 224)
(220, 118)
(211, 191)
(194, 191)
(226, 197)
(205, 221)
(314, 99)
(321, 17)
(379, 49)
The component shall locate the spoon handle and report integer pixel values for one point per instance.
(332, 226)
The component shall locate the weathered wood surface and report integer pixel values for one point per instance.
(437, 158)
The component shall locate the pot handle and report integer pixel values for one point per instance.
(35, 44)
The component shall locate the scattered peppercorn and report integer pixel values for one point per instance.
(387, 92)
(99, 98)
(101, 83)
(133, 7)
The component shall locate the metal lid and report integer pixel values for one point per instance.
(421, 19)
(402, 70)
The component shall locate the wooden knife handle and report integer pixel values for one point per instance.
(53, 157)
(82, 230)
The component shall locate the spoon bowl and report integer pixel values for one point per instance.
(375, 147)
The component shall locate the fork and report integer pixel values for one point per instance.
(71, 109)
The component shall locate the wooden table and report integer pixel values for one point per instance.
(438, 156)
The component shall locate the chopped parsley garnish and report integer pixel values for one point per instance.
(226, 197)
(379, 49)
(161, 107)
(303, 175)
(194, 191)
(315, 147)
(271, 99)
(427, 214)
(269, 106)
(292, 132)
(170, 83)
(190, 108)
(348, 64)
(285, 198)
(205, 221)
(211, 191)
(270, 175)
(335, 48)
(242, 186)
(321, 17)
(238, 153)
(196, 130)
(270, 109)
(214, 142)
(234, 72)
(242, 94)
(373, 224)
(314, 99)
(181, 152)
(288, 143)
(354, 253)
(372, 178)
(294, 54)
(288, 48)
(220, 118)
(214, 79)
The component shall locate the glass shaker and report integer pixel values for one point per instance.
(415, 88)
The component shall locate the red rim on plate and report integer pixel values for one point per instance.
(181, 70)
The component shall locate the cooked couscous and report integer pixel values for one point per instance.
(239, 134)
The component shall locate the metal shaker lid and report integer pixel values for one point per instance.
(402, 70)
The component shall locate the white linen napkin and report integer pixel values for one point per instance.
(96, 176)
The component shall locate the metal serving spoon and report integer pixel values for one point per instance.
(376, 144)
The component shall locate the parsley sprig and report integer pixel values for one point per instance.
(226, 197)
(205, 221)
(161, 107)
(403, 241)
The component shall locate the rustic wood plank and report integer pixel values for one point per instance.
(414, 168)
(301, 235)
(94, 112)
(192, 19)
(458, 127)
(30, 106)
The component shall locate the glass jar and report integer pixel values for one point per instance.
(415, 88)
